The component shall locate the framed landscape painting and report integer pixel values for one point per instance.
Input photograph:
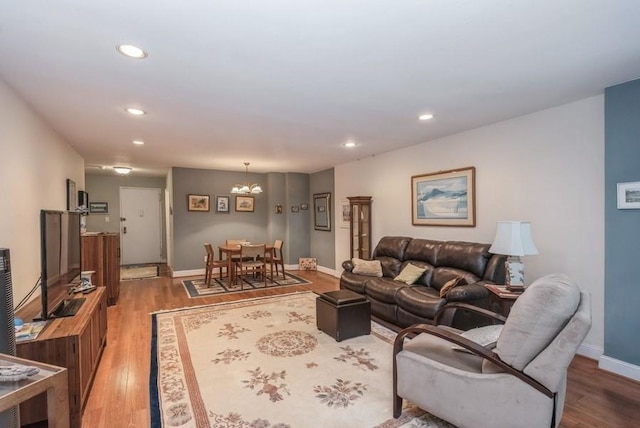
(629, 196)
(245, 204)
(444, 198)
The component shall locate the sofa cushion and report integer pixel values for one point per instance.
(383, 289)
(367, 267)
(410, 274)
(420, 300)
(390, 267)
(468, 256)
(422, 249)
(450, 284)
(442, 275)
(391, 246)
(536, 317)
(353, 282)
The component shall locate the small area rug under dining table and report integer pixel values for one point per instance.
(262, 363)
(197, 287)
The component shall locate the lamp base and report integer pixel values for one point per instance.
(514, 274)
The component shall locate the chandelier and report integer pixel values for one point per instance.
(246, 187)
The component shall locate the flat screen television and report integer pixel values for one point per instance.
(60, 258)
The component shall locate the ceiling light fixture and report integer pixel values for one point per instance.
(246, 187)
(138, 142)
(131, 51)
(122, 170)
(135, 111)
(425, 117)
(350, 144)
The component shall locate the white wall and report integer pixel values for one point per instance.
(35, 165)
(546, 167)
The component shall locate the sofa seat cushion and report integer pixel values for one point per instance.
(353, 282)
(383, 289)
(420, 300)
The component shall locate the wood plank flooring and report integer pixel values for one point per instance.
(119, 397)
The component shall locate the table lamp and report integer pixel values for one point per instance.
(513, 238)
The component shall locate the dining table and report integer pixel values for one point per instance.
(228, 251)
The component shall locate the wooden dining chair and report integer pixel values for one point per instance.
(230, 242)
(211, 264)
(276, 258)
(252, 261)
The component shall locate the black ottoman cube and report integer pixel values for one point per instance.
(343, 314)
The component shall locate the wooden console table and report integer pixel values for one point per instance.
(75, 343)
(50, 379)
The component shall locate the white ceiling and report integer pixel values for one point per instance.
(284, 83)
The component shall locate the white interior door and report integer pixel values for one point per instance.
(140, 225)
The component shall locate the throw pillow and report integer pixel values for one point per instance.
(410, 274)
(450, 284)
(484, 336)
(367, 267)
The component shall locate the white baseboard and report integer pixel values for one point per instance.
(618, 367)
(192, 272)
(590, 351)
(329, 271)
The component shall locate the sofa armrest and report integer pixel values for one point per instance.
(347, 265)
(466, 293)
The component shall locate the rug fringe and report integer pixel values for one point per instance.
(230, 302)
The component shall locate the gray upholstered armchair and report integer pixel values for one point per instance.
(520, 383)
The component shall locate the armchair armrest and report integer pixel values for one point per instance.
(473, 347)
(347, 265)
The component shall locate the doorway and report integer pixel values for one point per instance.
(141, 225)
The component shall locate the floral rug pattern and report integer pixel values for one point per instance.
(262, 363)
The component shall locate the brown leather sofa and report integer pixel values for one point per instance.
(403, 305)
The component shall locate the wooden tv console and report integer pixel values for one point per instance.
(75, 343)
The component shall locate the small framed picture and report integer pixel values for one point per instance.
(278, 209)
(198, 203)
(629, 196)
(222, 204)
(245, 204)
(295, 208)
(304, 206)
(99, 207)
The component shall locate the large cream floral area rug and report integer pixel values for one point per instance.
(262, 363)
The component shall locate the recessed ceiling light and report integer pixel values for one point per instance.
(135, 111)
(124, 170)
(425, 117)
(350, 144)
(131, 51)
(138, 142)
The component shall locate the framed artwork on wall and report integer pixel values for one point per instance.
(345, 214)
(629, 196)
(222, 204)
(444, 198)
(99, 207)
(72, 196)
(198, 203)
(245, 204)
(322, 211)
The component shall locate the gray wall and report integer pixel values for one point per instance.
(106, 188)
(622, 227)
(192, 229)
(323, 242)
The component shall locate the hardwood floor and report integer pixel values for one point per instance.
(119, 397)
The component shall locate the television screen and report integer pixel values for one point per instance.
(60, 257)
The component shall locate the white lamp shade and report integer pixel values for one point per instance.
(513, 238)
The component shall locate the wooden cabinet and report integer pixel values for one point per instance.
(360, 226)
(101, 253)
(75, 343)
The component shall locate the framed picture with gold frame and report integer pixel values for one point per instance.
(198, 203)
(444, 198)
(245, 204)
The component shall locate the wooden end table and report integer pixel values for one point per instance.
(500, 299)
